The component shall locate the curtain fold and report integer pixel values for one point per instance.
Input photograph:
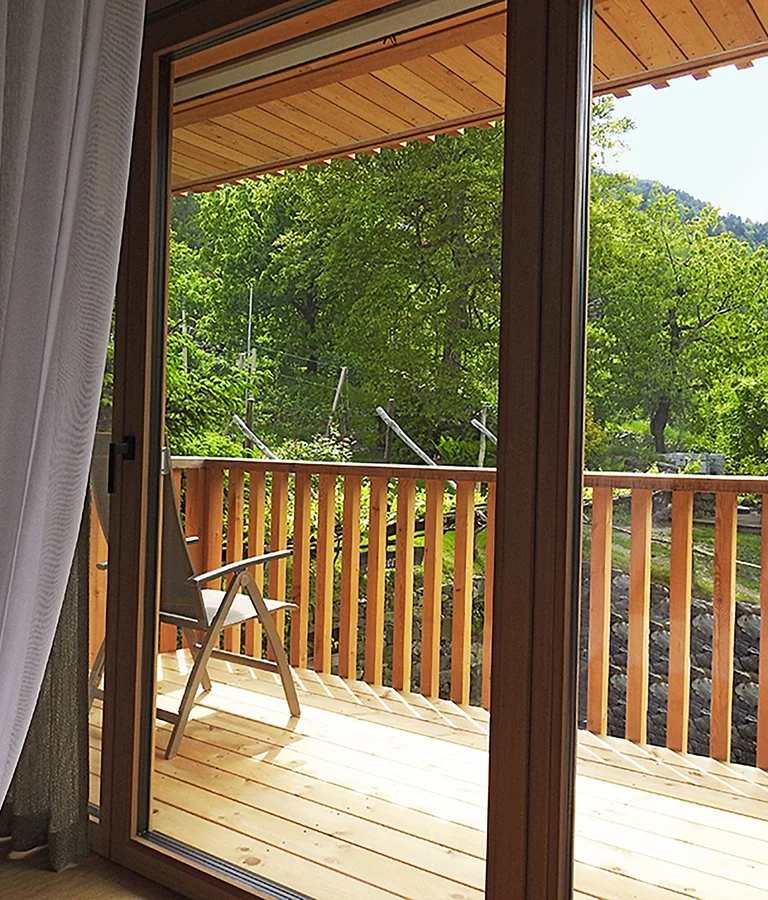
(68, 81)
(47, 802)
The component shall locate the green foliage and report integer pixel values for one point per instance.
(672, 306)
(390, 265)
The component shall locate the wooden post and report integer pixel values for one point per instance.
(326, 523)
(214, 518)
(680, 579)
(235, 514)
(194, 516)
(600, 610)
(431, 610)
(762, 701)
(377, 562)
(490, 552)
(403, 637)
(724, 607)
(461, 639)
(278, 540)
(97, 610)
(350, 578)
(257, 490)
(300, 579)
(639, 617)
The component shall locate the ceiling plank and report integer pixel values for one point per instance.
(331, 135)
(493, 50)
(314, 105)
(611, 55)
(686, 27)
(477, 71)
(442, 105)
(383, 118)
(733, 22)
(451, 83)
(219, 161)
(275, 142)
(414, 134)
(290, 130)
(382, 94)
(640, 31)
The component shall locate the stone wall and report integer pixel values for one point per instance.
(745, 676)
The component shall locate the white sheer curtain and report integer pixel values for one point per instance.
(68, 79)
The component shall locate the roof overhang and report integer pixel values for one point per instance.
(367, 74)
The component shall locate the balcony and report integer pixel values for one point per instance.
(379, 789)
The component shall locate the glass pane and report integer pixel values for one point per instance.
(98, 576)
(306, 289)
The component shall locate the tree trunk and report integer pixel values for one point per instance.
(659, 421)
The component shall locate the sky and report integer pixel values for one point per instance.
(708, 137)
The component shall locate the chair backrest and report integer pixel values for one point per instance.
(178, 595)
(99, 475)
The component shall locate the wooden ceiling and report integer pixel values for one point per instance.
(435, 78)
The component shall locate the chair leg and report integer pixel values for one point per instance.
(198, 668)
(96, 672)
(194, 648)
(273, 639)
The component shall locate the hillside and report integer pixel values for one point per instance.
(754, 233)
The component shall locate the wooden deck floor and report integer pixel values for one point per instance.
(374, 794)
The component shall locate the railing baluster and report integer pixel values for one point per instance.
(300, 573)
(403, 631)
(257, 491)
(600, 610)
(97, 610)
(326, 524)
(214, 518)
(377, 563)
(194, 516)
(680, 580)
(278, 540)
(490, 550)
(639, 617)
(431, 610)
(724, 607)
(235, 512)
(350, 578)
(762, 701)
(169, 633)
(463, 570)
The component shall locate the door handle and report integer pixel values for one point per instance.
(125, 449)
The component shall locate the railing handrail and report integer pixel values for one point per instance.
(379, 470)
(706, 484)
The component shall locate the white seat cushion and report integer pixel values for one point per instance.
(242, 607)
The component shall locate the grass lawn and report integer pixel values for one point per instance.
(748, 551)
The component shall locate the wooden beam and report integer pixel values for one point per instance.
(282, 85)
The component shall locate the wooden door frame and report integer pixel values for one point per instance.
(541, 387)
(538, 513)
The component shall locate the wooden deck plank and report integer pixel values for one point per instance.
(377, 794)
(393, 844)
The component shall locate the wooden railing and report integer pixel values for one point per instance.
(244, 506)
(682, 488)
(342, 520)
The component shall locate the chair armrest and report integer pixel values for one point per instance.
(234, 567)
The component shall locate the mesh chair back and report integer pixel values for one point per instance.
(178, 595)
(99, 470)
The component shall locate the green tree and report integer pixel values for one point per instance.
(672, 306)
